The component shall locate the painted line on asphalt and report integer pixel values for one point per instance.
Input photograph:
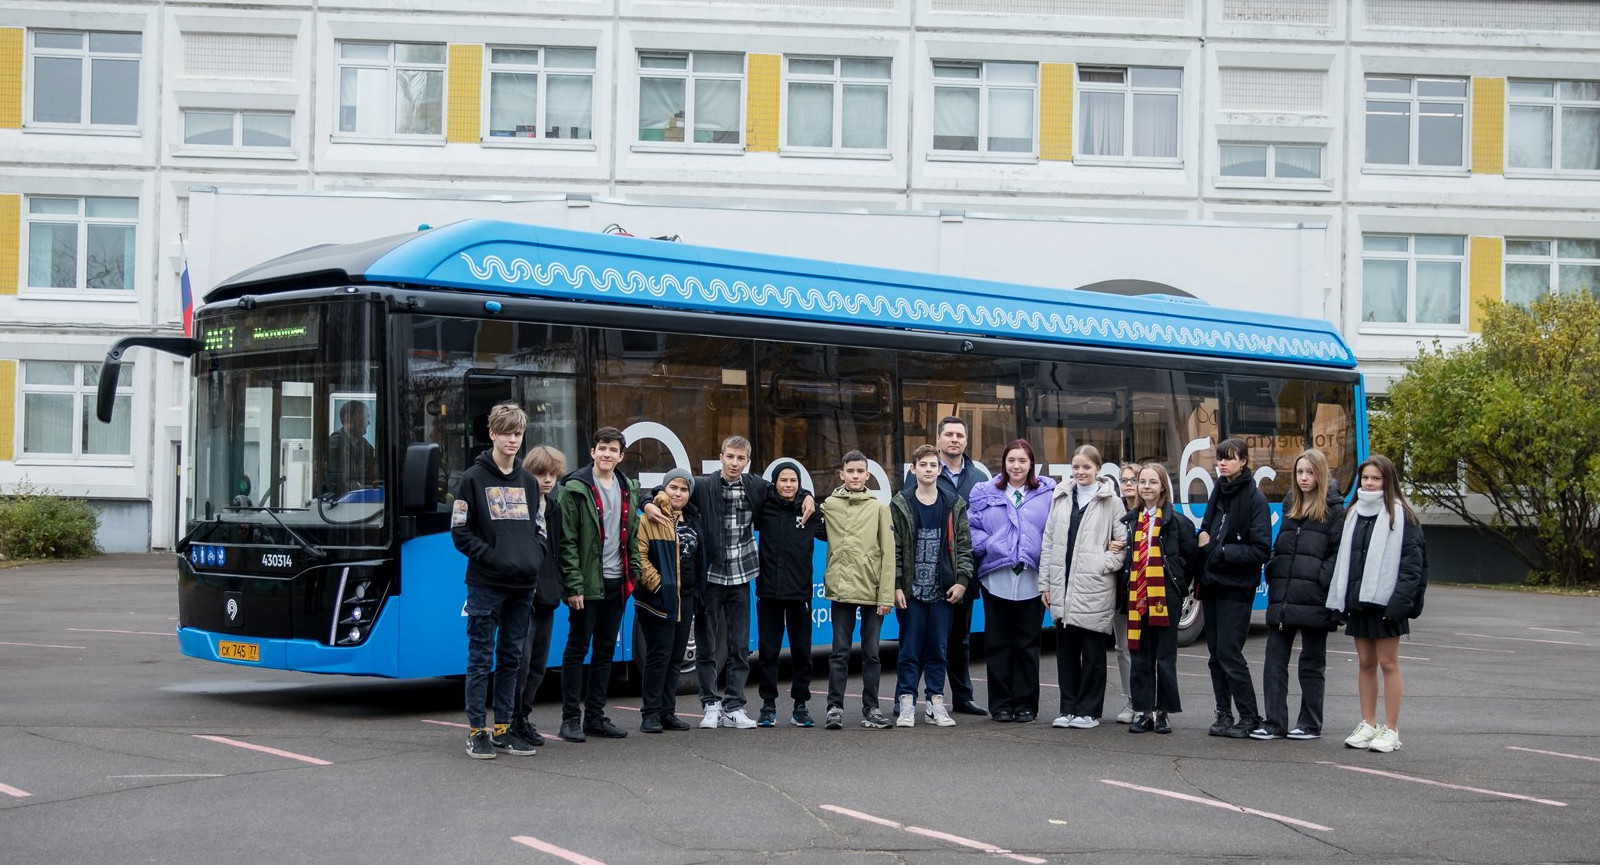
(934, 834)
(1556, 630)
(14, 792)
(1402, 657)
(1527, 640)
(1553, 753)
(113, 631)
(197, 775)
(42, 645)
(1463, 648)
(1399, 777)
(265, 750)
(553, 850)
(548, 737)
(1217, 803)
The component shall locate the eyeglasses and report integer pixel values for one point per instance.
(1130, 480)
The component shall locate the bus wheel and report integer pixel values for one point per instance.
(1192, 623)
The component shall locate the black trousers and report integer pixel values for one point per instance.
(1153, 671)
(958, 648)
(535, 658)
(1275, 678)
(597, 623)
(1227, 612)
(664, 644)
(1011, 640)
(1081, 670)
(773, 618)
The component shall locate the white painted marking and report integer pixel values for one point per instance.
(206, 775)
(1464, 648)
(42, 645)
(113, 631)
(14, 792)
(1403, 657)
(553, 850)
(935, 834)
(1399, 777)
(1526, 640)
(265, 750)
(548, 737)
(1215, 803)
(1556, 630)
(1553, 753)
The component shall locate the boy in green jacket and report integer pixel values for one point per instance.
(933, 565)
(858, 580)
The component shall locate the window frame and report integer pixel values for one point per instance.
(86, 55)
(690, 76)
(1320, 181)
(390, 66)
(1128, 90)
(1414, 102)
(542, 102)
(1553, 261)
(83, 395)
(838, 81)
(1556, 103)
(82, 221)
(1412, 258)
(238, 147)
(985, 86)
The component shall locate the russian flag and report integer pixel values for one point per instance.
(188, 297)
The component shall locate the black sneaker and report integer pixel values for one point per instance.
(572, 730)
(1220, 726)
(479, 744)
(769, 716)
(603, 728)
(527, 732)
(650, 724)
(873, 719)
(1163, 723)
(506, 740)
(1241, 730)
(801, 717)
(1143, 722)
(674, 723)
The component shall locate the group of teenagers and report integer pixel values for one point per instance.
(1109, 559)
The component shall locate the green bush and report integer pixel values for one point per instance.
(36, 524)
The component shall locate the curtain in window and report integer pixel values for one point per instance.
(1439, 292)
(110, 257)
(717, 111)
(866, 117)
(955, 118)
(513, 105)
(1580, 277)
(1528, 138)
(1526, 283)
(1296, 163)
(1383, 291)
(1439, 133)
(661, 105)
(1155, 125)
(361, 101)
(206, 127)
(811, 115)
(114, 92)
(1388, 133)
(110, 438)
(52, 255)
(1010, 121)
(1580, 138)
(570, 105)
(47, 423)
(1102, 124)
(418, 102)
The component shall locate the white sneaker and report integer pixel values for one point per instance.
(712, 717)
(1126, 715)
(1083, 722)
(1387, 740)
(1303, 734)
(1063, 721)
(738, 720)
(1362, 737)
(938, 714)
(907, 715)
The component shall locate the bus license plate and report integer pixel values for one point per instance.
(239, 651)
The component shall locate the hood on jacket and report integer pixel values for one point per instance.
(1105, 488)
(486, 459)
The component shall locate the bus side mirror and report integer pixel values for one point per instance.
(419, 478)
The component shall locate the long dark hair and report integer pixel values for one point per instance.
(1000, 480)
(1391, 488)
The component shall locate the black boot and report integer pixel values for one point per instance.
(1220, 726)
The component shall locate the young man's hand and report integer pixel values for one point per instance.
(900, 598)
(884, 610)
(655, 515)
(1117, 546)
(955, 594)
(575, 602)
(808, 506)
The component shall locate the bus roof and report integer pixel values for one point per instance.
(507, 258)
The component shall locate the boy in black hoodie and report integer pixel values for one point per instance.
(784, 589)
(492, 524)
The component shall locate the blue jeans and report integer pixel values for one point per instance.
(722, 638)
(924, 627)
(497, 626)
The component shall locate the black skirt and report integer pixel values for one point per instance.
(1369, 624)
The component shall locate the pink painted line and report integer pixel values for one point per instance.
(1557, 631)
(13, 791)
(934, 834)
(42, 645)
(548, 737)
(1526, 640)
(1402, 657)
(1399, 777)
(111, 631)
(1553, 753)
(1464, 648)
(1214, 803)
(265, 750)
(553, 850)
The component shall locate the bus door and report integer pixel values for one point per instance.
(484, 392)
(1070, 405)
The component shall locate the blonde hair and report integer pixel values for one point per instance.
(545, 460)
(507, 417)
(1313, 505)
(1090, 451)
(1166, 483)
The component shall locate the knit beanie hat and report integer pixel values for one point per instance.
(678, 474)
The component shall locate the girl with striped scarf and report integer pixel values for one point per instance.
(1162, 557)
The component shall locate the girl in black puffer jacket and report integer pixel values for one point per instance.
(1297, 592)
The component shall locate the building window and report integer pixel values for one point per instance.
(1129, 112)
(1412, 279)
(837, 103)
(81, 242)
(1416, 122)
(58, 411)
(1272, 161)
(237, 130)
(85, 79)
(691, 98)
(541, 93)
(391, 89)
(984, 107)
(1553, 125)
(1535, 268)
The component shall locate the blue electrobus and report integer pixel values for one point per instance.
(339, 392)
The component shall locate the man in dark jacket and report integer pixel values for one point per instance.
(958, 475)
(784, 590)
(1235, 541)
(491, 522)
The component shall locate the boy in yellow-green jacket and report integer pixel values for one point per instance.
(858, 580)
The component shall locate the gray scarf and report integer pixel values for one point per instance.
(1383, 553)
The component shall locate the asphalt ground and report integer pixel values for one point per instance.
(114, 748)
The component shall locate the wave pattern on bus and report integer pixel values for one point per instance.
(901, 309)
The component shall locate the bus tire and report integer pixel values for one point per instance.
(1192, 622)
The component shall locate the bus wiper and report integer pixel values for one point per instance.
(311, 549)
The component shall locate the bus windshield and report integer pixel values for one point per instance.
(288, 434)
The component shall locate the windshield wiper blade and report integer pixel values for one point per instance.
(311, 549)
